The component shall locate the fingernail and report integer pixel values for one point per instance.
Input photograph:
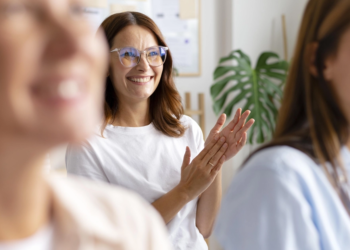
(216, 137)
(225, 145)
(222, 139)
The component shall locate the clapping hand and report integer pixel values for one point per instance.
(235, 132)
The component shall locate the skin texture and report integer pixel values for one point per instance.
(198, 178)
(43, 44)
(337, 72)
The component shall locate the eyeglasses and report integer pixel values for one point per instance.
(130, 56)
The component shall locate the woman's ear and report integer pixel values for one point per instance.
(312, 49)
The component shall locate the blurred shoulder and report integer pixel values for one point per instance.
(189, 123)
(107, 210)
(279, 160)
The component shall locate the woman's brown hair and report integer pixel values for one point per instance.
(310, 119)
(165, 103)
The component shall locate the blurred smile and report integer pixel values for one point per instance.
(60, 90)
(140, 80)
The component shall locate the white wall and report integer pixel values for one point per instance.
(257, 24)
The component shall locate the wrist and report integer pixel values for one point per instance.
(183, 193)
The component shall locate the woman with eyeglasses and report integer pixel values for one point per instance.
(145, 135)
(52, 68)
(294, 192)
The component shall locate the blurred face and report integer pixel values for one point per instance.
(51, 70)
(337, 72)
(135, 84)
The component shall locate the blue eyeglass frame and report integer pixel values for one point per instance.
(141, 52)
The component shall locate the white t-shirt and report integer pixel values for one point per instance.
(148, 162)
(42, 240)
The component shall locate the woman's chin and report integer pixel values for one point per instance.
(69, 128)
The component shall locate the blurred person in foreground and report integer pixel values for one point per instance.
(52, 70)
(293, 193)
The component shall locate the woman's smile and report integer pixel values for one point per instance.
(60, 90)
(140, 80)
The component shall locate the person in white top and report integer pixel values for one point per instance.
(51, 73)
(293, 193)
(147, 145)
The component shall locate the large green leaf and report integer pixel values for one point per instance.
(260, 89)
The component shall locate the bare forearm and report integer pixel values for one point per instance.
(171, 203)
(208, 207)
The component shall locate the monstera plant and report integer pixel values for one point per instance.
(259, 88)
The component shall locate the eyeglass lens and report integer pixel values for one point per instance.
(130, 56)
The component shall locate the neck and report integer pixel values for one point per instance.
(24, 197)
(133, 114)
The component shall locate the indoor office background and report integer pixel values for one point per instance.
(254, 26)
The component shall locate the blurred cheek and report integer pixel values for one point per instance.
(341, 80)
(18, 63)
(118, 74)
(158, 72)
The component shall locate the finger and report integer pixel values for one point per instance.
(214, 160)
(234, 121)
(213, 151)
(218, 166)
(187, 158)
(219, 123)
(216, 129)
(207, 147)
(241, 122)
(237, 136)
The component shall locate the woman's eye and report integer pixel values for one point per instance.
(153, 53)
(129, 54)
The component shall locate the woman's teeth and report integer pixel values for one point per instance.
(68, 89)
(143, 79)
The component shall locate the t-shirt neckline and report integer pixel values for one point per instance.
(132, 130)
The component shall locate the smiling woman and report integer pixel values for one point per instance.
(159, 89)
(146, 141)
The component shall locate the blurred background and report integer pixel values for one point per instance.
(199, 33)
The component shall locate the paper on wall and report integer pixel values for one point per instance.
(97, 3)
(188, 9)
(117, 8)
(181, 50)
(166, 14)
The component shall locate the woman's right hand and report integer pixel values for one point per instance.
(197, 176)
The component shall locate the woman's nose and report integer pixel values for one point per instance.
(64, 38)
(143, 64)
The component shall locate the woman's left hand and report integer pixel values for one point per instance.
(235, 132)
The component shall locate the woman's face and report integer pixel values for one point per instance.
(137, 84)
(51, 70)
(337, 72)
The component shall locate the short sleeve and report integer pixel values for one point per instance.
(81, 160)
(265, 209)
